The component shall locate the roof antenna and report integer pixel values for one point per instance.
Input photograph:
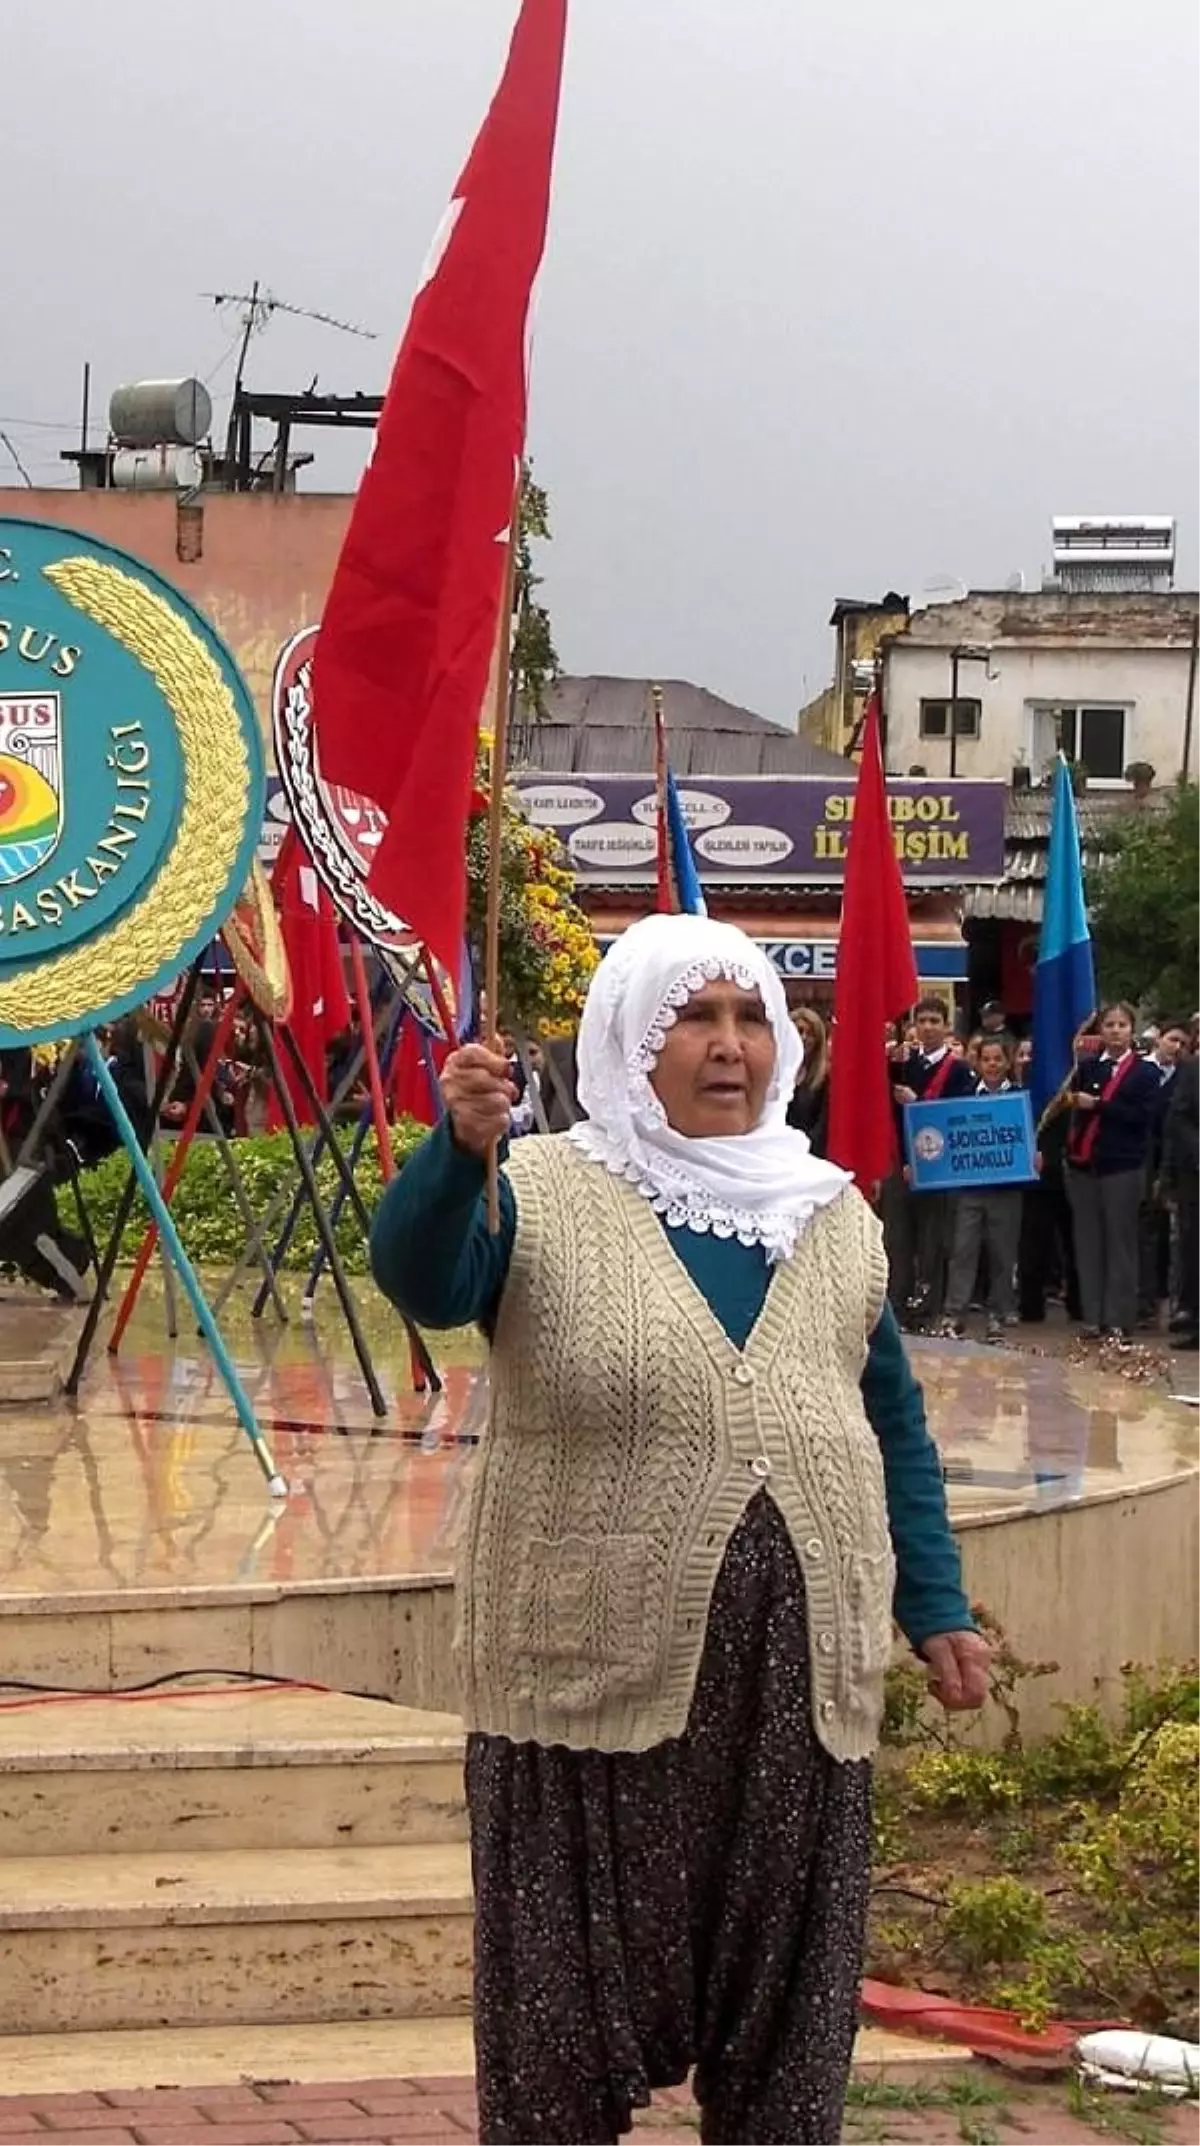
(260, 306)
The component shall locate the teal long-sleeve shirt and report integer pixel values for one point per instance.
(434, 1257)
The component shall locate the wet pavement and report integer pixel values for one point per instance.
(149, 1483)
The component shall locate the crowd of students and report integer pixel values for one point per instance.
(1109, 1228)
(1108, 1231)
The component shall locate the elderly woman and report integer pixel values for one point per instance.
(677, 1576)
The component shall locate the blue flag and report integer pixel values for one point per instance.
(1064, 991)
(683, 864)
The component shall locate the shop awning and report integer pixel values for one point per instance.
(801, 939)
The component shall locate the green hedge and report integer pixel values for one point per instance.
(206, 1212)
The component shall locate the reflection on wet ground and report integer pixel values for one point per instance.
(1021, 1430)
(150, 1485)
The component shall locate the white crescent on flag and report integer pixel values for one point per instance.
(439, 242)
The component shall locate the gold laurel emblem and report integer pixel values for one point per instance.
(188, 889)
(256, 948)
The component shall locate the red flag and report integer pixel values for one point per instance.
(402, 659)
(320, 1002)
(415, 1074)
(876, 978)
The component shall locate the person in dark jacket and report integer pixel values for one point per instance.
(808, 1111)
(1181, 1187)
(559, 1084)
(1114, 1105)
(1046, 1253)
(201, 1036)
(931, 1073)
(986, 1221)
(1154, 1249)
(32, 1225)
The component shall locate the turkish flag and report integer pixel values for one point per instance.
(876, 978)
(402, 658)
(415, 1071)
(320, 1002)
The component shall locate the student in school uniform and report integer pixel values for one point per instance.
(1181, 1187)
(1154, 1248)
(1046, 1253)
(1114, 1097)
(986, 1219)
(932, 1073)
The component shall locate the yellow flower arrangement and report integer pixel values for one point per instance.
(547, 951)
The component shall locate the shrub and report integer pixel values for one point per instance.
(1084, 1758)
(966, 1782)
(993, 1922)
(1139, 1867)
(206, 1213)
(1168, 1692)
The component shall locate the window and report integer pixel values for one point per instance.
(935, 718)
(1095, 738)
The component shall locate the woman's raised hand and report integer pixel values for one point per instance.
(479, 1094)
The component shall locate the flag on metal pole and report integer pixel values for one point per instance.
(876, 977)
(1064, 984)
(401, 663)
(683, 864)
(677, 880)
(320, 1003)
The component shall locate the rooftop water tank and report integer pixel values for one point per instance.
(156, 469)
(154, 413)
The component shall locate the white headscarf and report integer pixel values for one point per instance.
(762, 1187)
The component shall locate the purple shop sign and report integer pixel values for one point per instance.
(778, 829)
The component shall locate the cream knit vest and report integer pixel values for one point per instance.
(627, 1435)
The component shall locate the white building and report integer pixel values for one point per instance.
(1110, 675)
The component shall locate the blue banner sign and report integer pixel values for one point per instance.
(979, 1142)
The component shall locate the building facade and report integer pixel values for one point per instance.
(256, 564)
(1108, 676)
(259, 566)
(860, 628)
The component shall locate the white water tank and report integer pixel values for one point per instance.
(154, 413)
(156, 469)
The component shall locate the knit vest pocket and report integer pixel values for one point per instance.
(578, 1630)
(870, 1585)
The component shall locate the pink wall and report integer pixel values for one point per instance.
(260, 569)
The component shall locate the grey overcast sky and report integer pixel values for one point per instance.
(840, 295)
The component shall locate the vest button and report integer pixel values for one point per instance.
(828, 1710)
(760, 1466)
(814, 1548)
(826, 1642)
(743, 1375)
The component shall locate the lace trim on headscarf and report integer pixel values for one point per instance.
(692, 980)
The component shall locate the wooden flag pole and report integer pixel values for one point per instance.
(501, 693)
(662, 854)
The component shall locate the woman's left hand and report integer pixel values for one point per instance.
(958, 1664)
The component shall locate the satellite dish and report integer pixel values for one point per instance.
(1015, 585)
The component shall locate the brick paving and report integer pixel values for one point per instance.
(978, 2106)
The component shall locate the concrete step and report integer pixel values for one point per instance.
(122, 1940)
(228, 1769)
(141, 2058)
(37, 1345)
